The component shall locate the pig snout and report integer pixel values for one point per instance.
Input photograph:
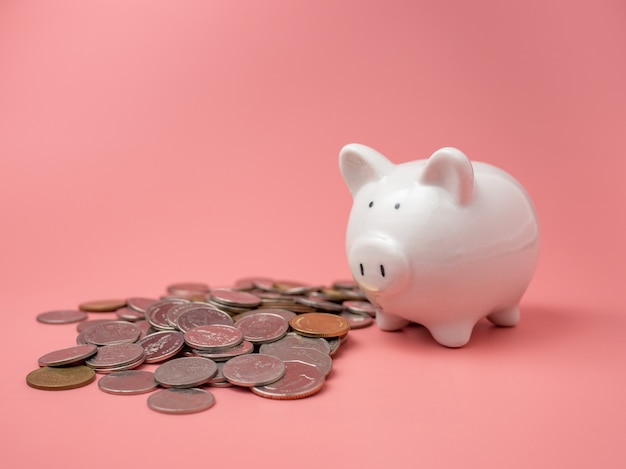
(378, 264)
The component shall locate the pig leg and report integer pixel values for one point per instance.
(506, 317)
(452, 335)
(390, 322)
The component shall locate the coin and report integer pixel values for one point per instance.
(84, 325)
(345, 285)
(202, 316)
(128, 382)
(289, 287)
(226, 354)
(181, 401)
(320, 325)
(307, 355)
(301, 380)
(291, 339)
(140, 304)
(114, 332)
(357, 320)
(234, 298)
(253, 370)
(260, 328)
(116, 355)
(356, 306)
(129, 314)
(186, 289)
(213, 337)
(102, 306)
(185, 372)
(156, 314)
(68, 355)
(64, 316)
(60, 378)
(320, 304)
(161, 345)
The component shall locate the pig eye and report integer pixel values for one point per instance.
(397, 206)
(371, 203)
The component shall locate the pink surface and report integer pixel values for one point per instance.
(145, 143)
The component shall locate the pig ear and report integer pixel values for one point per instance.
(451, 170)
(360, 164)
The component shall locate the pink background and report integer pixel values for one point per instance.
(144, 143)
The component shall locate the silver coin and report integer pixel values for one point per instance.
(115, 355)
(345, 285)
(307, 355)
(250, 283)
(68, 355)
(128, 382)
(84, 325)
(320, 304)
(140, 304)
(173, 313)
(114, 332)
(185, 372)
(213, 337)
(261, 328)
(202, 316)
(356, 306)
(181, 401)
(162, 345)
(226, 354)
(289, 287)
(64, 316)
(187, 288)
(357, 320)
(253, 370)
(219, 376)
(127, 366)
(129, 314)
(156, 314)
(300, 380)
(235, 298)
(292, 339)
(334, 343)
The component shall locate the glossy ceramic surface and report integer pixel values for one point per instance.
(442, 242)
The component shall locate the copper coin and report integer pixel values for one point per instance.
(128, 382)
(161, 345)
(185, 372)
(320, 325)
(253, 370)
(300, 380)
(102, 306)
(64, 316)
(68, 355)
(114, 332)
(213, 337)
(260, 328)
(181, 401)
(61, 378)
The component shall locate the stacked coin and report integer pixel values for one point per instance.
(276, 338)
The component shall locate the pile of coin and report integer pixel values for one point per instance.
(277, 338)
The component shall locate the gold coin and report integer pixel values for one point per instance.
(60, 378)
(102, 306)
(320, 325)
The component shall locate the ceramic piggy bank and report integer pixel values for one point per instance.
(442, 242)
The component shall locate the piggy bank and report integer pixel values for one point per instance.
(442, 242)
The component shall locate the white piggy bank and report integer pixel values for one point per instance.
(442, 242)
